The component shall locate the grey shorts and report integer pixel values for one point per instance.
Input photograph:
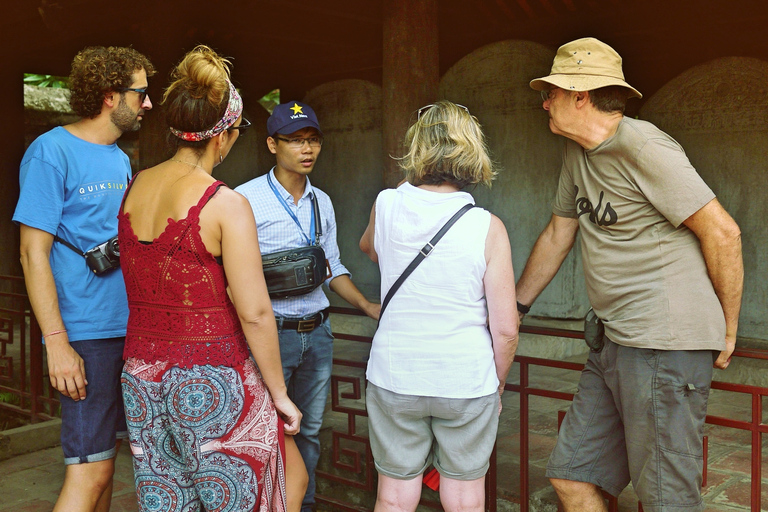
(638, 416)
(408, 433)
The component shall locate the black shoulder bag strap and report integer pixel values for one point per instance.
(318, 224)
(423, 253)
(61, 240)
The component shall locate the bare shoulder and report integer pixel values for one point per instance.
(228, 204)
(225, 197)
(497, 241)
(497, 231)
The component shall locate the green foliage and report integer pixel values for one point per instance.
(9, 398)
(270, 100)
(57, 82)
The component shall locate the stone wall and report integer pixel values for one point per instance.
(350, 168)
(493, 83)
(716, 111)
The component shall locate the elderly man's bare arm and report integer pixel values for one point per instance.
(549, 251)
(720, 240)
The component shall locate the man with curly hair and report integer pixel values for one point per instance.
(72, 181)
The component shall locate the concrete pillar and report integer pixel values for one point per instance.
(411, 72)
(11, 151)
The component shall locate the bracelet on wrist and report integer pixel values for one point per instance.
(54, 333)
(522, 308)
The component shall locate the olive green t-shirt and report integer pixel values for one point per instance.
(645, 273)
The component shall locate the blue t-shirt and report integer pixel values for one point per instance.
(73, 188)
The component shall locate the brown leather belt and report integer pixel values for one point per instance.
(306, 324)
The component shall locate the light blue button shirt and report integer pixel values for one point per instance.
(279, 232)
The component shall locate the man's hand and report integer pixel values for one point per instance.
(66, 368)
(724, 359)
(372, 310)
(290, 414)
(344, 287)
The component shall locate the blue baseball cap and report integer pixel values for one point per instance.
(291, 117)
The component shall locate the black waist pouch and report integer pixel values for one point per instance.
(295, 271)
(594, 331)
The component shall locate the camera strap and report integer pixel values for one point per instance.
(423, 253)
(61, 240)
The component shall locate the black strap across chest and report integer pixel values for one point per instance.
(421, 256)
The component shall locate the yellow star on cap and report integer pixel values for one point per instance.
(296, 109)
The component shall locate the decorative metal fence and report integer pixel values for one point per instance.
(349, 464)
(26, 393)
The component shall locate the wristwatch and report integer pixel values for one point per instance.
(522, 308)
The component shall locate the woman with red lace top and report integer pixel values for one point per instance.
(206, 424)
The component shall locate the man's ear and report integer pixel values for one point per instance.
(272, 145)
(110, 99)
(582, 98)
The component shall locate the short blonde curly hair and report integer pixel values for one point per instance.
(97, 70)
(446, 145)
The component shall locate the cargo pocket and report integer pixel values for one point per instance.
(680, 410)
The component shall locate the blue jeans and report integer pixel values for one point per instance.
(307, 363)
(90, 427)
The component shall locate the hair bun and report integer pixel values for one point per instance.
(202, 73)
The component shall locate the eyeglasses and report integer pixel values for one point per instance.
(298, 143)
(242, 127)
(142, 93)
(427, 107)
(547, 94)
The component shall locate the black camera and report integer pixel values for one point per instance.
(104, 257)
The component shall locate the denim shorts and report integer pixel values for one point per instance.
(638, 416)
(90, 427)
(408, 433)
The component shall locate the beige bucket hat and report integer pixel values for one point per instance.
(583, 65)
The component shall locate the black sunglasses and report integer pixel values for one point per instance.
(142, 93)
(244, 125)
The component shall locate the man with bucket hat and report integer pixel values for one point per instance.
(283, 203)
(664, 274)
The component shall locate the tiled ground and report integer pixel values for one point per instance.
(30, 483)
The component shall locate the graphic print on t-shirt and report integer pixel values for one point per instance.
(607, 217)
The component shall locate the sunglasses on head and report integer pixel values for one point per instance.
(427, 107)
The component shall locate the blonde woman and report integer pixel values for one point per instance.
(446, 340)
(206, 424)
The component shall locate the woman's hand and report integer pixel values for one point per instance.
(290, 414)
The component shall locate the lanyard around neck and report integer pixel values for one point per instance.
(310, 241)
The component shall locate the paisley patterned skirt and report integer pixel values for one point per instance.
(203, 438)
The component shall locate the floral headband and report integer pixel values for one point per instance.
(234, 109)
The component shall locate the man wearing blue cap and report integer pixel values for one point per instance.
(282, 203)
